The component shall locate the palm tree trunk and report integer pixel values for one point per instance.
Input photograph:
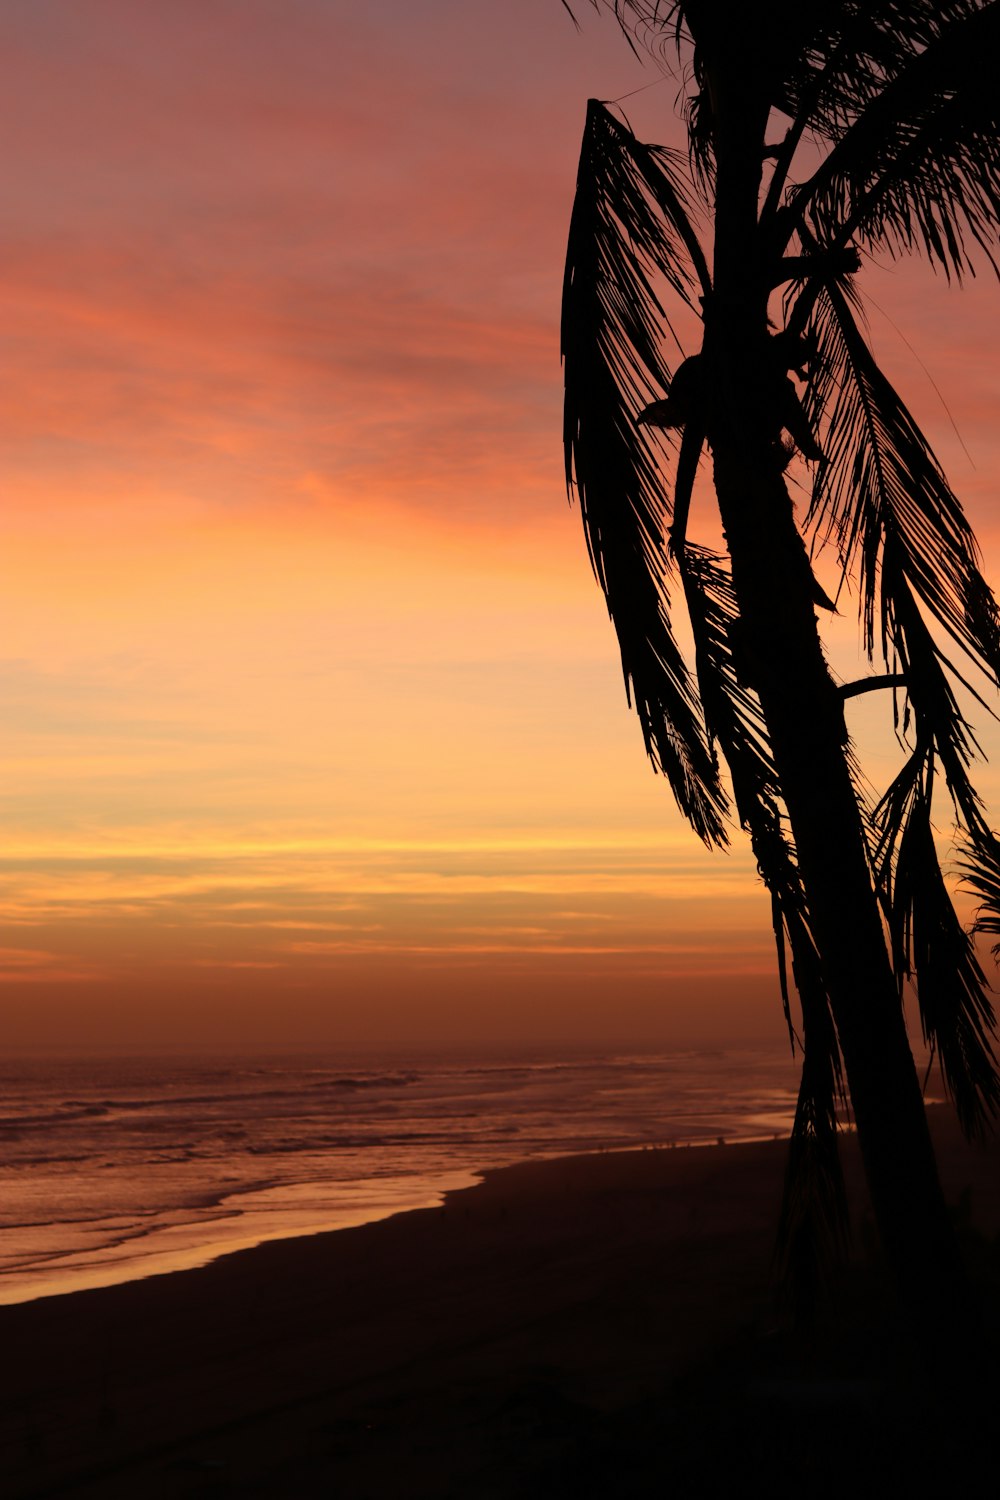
(805, 721)
(804, 715)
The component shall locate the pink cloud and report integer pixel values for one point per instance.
(256, 240)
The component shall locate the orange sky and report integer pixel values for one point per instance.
(315, 729)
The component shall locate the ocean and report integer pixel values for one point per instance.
(116, 1168)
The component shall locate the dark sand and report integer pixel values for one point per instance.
(599, 1325)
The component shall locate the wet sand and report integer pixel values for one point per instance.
(599, 1325)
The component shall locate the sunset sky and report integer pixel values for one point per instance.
(314, 727)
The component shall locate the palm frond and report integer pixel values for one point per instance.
(736, 724)
(622, 240)
(732, 713)
(845, 52)
(916, 159)
(930, 703)
(835, 64)
(926, 939)
(882, 487)
(929, 944)
(980, 867)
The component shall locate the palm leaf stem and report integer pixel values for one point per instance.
(872, 684)
(687, 467)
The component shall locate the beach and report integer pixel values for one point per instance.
(573, 1326)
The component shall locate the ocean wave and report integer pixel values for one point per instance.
(74, 1108)
(63, 1115)
(366, 1081)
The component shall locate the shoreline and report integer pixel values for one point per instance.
(435, 1352)
(111, 1268)
(108, 1271)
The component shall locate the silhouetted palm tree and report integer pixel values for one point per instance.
(898, 104)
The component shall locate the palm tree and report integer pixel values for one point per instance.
(897, 103)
